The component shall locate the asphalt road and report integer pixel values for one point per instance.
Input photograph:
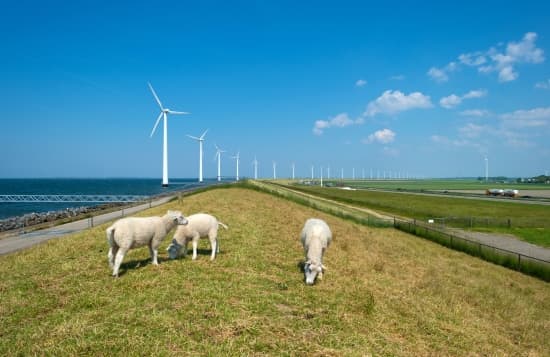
(25, 240)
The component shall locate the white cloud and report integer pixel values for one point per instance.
(383, 136)
(450, 101)
(527, 118)
(472, 59)
(494, 60)
(360, 83)
(472, 130)
(453, 100)
(398, 77)
(341, 120)
(543, 85)
(391, 102)
(475, 94)
(438, 75)
(475, 113)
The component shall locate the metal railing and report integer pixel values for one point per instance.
(71, 198)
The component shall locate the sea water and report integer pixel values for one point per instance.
(68, 186)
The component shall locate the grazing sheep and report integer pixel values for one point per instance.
(316, 237)
(199, 225)
(133, 232)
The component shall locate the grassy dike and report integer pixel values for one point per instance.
(385, 293)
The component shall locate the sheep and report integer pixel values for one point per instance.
(316, 237)
(199, 225)
(134, 232)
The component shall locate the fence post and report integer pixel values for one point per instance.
(509, 223)
(519, 262)
(91, 221)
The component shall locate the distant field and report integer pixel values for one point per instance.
(523, 218)
(438, 184)
(385, 293)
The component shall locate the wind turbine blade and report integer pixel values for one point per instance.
(156, 124)
(193, 137)
(203, 134)
(174, 112)
(155, 95)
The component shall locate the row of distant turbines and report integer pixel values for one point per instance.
(164, 115)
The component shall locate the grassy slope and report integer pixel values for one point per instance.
(385, 293)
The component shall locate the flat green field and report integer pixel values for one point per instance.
(529, 222)
(437, 185)
(385, 293)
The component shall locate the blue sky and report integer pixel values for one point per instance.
(421, 89)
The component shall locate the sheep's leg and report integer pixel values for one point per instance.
(195, 245)
(111, 256)
(214, 244)
(154, 253)
(118, 260)
(185, 243)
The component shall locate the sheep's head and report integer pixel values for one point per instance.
(178, 217)
(311, 270)
(174, 249)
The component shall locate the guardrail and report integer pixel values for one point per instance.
(71, 198)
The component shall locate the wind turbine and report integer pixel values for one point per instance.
(200, 140)
(237, 157)
(163, 114)
(293, 166)
(486, 169)
(255, 163)
(312, 172)
(219, 155)
(274, 170)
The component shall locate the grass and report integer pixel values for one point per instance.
(525, 219)
(386, 293)
(438, 185)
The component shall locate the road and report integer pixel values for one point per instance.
(25, 240)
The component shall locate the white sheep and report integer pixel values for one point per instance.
(200, 225)
(316, 237)
(133, 232)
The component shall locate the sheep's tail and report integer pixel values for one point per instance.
(111, 236)
(223, 225)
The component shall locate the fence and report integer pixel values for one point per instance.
(513, 260)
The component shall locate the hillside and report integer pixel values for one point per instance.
(385, 293)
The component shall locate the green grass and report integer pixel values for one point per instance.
(385, 293)
(437, 185)
(525, 219)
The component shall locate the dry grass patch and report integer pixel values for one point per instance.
(385, 293)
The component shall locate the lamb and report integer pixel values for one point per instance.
(199, 225)
(133, 232)
(316, 237)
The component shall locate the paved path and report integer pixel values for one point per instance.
(505, 241)
(25, 240)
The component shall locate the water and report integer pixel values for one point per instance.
(145, 187)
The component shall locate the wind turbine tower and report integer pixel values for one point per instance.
(255, 163)
(274, 170)
(219, 155)
(164, 115)
(321, 176)
(293, 166)
(312, 172)
(486, 169)
(237, 158)
(200, 140)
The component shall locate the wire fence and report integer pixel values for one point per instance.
(487, 222)
(513, 260)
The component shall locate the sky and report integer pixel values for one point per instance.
(407, 89)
